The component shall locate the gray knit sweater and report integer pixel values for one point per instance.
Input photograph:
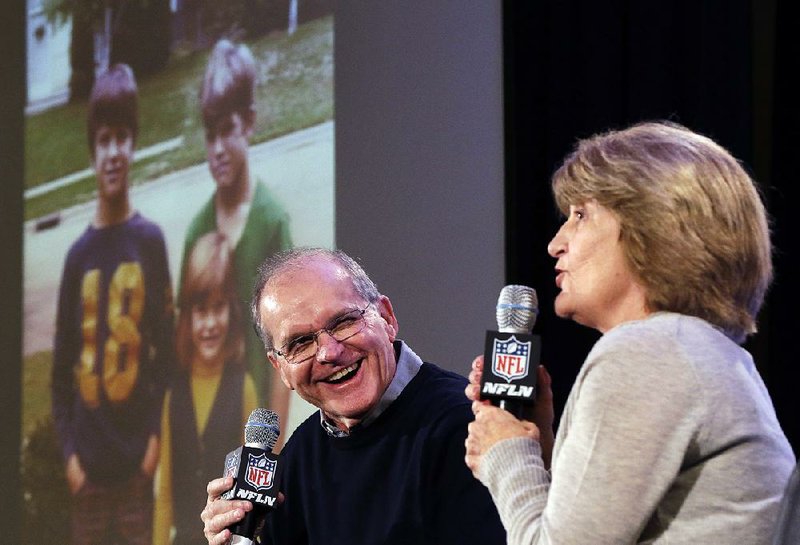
(668, 436)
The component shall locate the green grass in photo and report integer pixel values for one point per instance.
(294, 91)
(36, 369)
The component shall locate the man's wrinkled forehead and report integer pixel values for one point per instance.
(287, 286)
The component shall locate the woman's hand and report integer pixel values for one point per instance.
(493, 426)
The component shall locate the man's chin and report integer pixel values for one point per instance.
(346, 414)
(114, 193)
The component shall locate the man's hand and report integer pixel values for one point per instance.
(76, 477)
(150, 459)
(219, 514)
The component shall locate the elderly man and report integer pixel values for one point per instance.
(382, 461)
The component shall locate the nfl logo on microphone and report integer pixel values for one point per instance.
(510, 358)
(510, 365)
(260, 471)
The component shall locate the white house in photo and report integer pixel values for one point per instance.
(48, 68)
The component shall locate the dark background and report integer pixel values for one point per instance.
(724, 68)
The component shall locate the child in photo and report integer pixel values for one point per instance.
(241, 207)
(113, 340)
(207, 406)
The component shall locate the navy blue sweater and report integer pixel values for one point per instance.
(113, 347)
(400, 480)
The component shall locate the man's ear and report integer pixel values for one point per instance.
(387, 313)
(279, 368)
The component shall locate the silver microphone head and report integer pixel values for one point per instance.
(517, 309)
(262, 429)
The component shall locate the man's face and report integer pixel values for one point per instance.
(344, 379)
(113, 155)
(227, 142)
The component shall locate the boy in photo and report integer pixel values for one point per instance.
(241, 207)
(112, 350)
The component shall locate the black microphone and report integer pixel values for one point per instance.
(256, 472)
(511, 354)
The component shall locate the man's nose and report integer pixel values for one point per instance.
(328, 348)
(217, 146)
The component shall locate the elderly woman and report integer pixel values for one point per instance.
(668, 435)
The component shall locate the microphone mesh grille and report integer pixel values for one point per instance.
(517, 309)
(262, 428)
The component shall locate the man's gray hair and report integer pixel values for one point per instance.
(297, 258)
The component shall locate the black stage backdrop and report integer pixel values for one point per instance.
(12, 103)
(721, 67)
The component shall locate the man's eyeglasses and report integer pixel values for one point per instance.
(305, 347)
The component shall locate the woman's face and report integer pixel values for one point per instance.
(598, 289)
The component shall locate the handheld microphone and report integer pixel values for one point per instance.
(256, 473)
(511, 354)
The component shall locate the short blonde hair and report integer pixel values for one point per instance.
(209, 268)
(692, 224)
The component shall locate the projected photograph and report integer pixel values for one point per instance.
(170, 146)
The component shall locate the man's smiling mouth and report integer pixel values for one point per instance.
(345, 373)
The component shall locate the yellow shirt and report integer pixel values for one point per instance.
(204, 390)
